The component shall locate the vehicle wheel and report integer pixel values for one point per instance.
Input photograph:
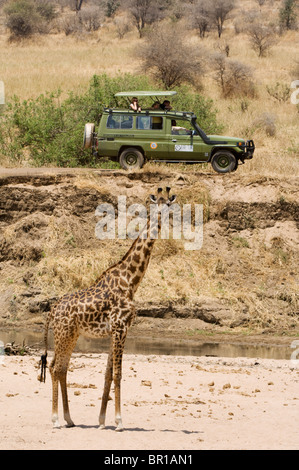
(237, 164)
(88, 135)
(224, 161)
(131, 159)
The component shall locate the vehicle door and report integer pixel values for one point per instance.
(115, 132)
(151, 136)
(184, 144)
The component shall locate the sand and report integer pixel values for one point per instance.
(168, 403)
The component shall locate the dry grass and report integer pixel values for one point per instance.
(51, 62)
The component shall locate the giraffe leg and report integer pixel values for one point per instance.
(64, 364)
(108, 380)
(118, 348)
(55, 420)
(66, 411)
(58, 369)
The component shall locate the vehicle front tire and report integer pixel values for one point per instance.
(224, 161)
(131, 159)
(88, 135)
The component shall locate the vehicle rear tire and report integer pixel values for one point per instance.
(88, 135)
(224, 161)
(131, 159)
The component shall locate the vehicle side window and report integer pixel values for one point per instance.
(149, 122)
(119, 122)
(180, 127)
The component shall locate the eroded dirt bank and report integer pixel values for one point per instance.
(243, 279)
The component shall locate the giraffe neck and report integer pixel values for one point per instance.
(135, 262)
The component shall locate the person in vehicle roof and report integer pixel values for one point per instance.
(156, 105)
(134, 105)
(166, 105)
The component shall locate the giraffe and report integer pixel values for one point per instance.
(104, 309)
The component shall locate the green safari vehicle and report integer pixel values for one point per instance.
(155, 134)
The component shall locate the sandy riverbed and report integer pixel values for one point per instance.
(168, 402)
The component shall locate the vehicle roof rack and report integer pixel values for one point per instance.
(152, 112)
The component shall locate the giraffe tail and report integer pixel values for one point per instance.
(43, 361)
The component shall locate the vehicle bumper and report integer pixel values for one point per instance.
(248, 151)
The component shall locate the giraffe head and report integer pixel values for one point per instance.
(162, 199)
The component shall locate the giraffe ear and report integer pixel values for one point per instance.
(172, 198)
(153, 199)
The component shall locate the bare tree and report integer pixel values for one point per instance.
(219, 11)
(262, 38)
(143, 12)
(199, 15)
(169, 59)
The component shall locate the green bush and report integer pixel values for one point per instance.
(21, 18)
(26, 17)
(49, 130)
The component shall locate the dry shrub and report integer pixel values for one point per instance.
(86, 21)
(294, 72)
(166, 248)
(266, 122)
(91, 18)
(279, 91)
(196, 194)
(122, 25)
(233, 77)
